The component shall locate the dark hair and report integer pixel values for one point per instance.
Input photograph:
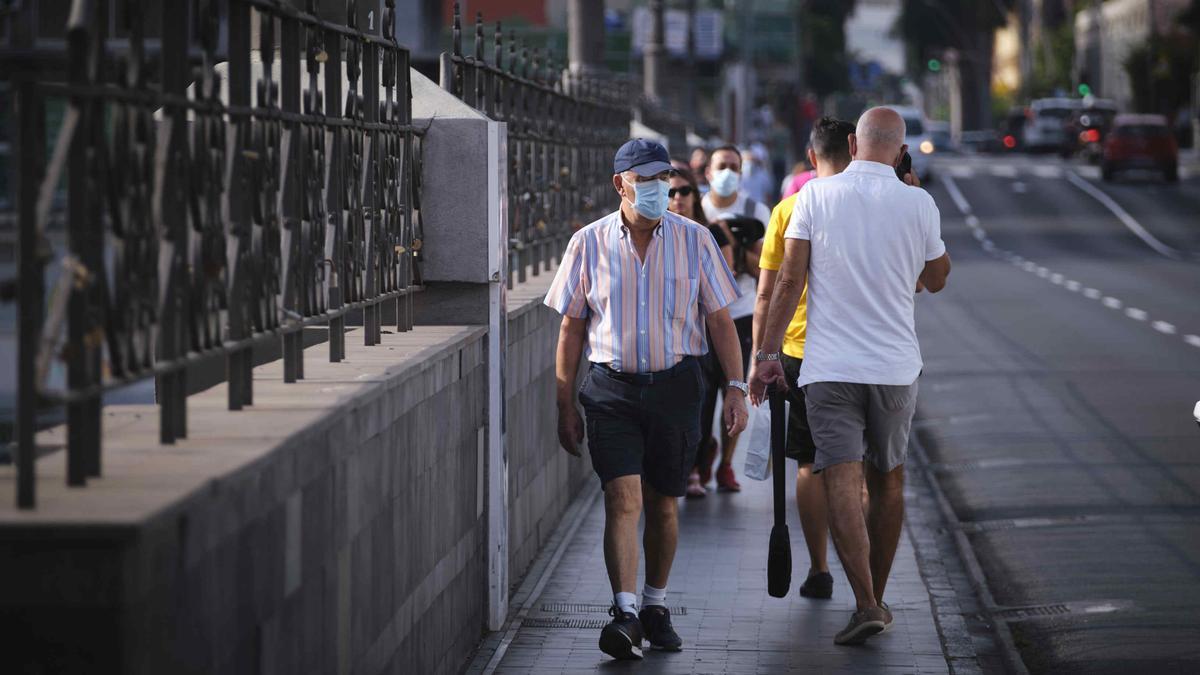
(697, 209)
(729, 148)
(828, 139)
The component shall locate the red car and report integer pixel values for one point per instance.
(1140, 142)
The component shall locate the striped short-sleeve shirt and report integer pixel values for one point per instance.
(642, 317)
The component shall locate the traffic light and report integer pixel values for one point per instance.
(934, 65)
(1084, 89)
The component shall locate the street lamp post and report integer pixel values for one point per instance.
(654, 52)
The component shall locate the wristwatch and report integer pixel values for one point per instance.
(761, 356)
(740, 386)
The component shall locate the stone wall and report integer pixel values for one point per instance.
(542, 478)
(338, 525)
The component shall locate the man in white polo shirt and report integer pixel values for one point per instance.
(865, 241)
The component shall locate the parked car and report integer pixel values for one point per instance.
(1012, 129)
(983, 141)
(1086, 129)
(1046, 123)
(940, 140)
(916, 135)
(1140, 142)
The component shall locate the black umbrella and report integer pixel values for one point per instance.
(779, 552)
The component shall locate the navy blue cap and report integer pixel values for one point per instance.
(643, 157)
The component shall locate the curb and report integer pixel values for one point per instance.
(1005, 645)
(493, 646)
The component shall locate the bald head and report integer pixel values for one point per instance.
(879, 136)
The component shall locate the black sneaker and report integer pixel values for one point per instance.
(622, 637)
(656, 622)
(818, 585)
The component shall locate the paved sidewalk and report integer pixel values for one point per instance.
(720, 605)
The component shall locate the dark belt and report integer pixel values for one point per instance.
(648, 378)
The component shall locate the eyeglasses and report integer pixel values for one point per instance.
(682, 191)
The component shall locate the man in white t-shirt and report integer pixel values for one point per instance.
(864, 240)
(727, 205)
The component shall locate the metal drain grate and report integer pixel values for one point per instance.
(554, 622)
(1035, 612)
(587, 608)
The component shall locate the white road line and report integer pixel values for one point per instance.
(1003, 170)
(1123, 216)
(1047, 171)
(959, 200)
(980, 235)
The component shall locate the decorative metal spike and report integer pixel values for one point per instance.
(457, 32)
(499, 54)
(479, 36)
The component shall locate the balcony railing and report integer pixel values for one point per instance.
(563, 130)
(213, 194)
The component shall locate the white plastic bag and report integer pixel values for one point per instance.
(758, 443)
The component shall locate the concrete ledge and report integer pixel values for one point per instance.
(142, 477)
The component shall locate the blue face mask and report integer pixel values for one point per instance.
(725, 182)
(650, 198)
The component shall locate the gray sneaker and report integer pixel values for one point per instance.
(863, 624)
(889, 620)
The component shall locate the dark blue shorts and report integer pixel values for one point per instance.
(638, 427)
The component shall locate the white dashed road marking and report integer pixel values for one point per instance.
(980, 235)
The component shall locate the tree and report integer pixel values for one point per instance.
(821, 25)
(930, 28)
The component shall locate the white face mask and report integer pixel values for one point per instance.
(725, 182)
(650, 198)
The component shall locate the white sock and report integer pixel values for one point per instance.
(626, 602)
(654, 596)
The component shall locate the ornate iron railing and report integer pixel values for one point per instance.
(208, 207)
(562, 132)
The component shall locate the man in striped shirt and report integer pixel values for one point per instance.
(636, 289)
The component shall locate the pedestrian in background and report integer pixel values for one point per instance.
(863, 240)
(801, 173)
(636, 289)
(724, 203)
(759, 181)
(698, 163)
(829, 154)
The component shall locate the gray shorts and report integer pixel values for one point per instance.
(851, 421)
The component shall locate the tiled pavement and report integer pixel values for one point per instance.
(720, 604)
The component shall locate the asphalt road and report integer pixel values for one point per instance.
(1062, 366)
